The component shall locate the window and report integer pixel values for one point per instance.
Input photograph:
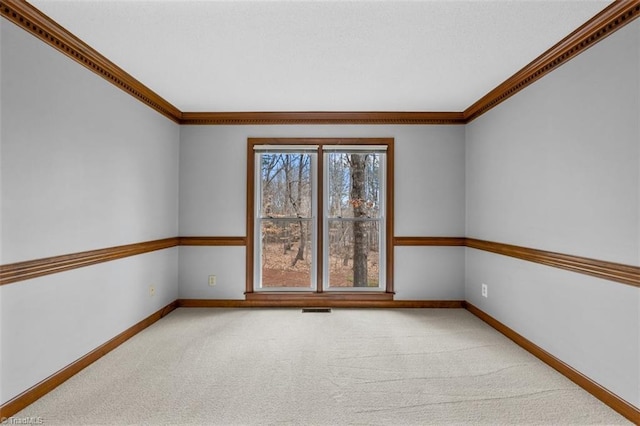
(319, 215)
(285, 228)
(354, 217)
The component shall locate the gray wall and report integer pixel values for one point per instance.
(83, 166)
(429, 201)
(556, 167)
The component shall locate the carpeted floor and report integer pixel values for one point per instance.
(351, 366)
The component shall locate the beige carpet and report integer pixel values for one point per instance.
(282, 366)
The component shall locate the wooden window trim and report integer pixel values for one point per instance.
(252, 142)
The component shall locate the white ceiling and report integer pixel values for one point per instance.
(213, 55)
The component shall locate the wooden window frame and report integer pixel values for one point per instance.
(388, 292)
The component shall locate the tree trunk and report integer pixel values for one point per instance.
(303, 243)
(359, 227)
(298, 206)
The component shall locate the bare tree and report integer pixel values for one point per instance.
(297, 205)
(360, 249)
(289, 184)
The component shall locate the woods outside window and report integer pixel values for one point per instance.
(319, 215)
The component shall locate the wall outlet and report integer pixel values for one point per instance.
(152, 290)
(485, 290)
(212, 280)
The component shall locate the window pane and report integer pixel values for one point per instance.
(286, 253)
(285, 184)
(353, 184)
(354, 253)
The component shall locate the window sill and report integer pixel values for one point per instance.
(325, 299)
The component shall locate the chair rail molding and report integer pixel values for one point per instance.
(626, 274)
(29, 269)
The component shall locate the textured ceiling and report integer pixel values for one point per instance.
(321, 55)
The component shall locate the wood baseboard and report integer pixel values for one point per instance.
(47, 385)
(293, 302)
(609, 398)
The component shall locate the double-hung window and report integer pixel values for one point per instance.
(354, 217)
(318, 215)
(285, 225)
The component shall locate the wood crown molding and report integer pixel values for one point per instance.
(293, 118)
(609, 398)
(614, 17)
(31, 395)
(626, 274)
(46, 29)
(36, 268)
(609, 20)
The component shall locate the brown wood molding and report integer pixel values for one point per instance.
(40, 25)
(614, 17)
(626, 274)
(429, 241)
(390, 212)
(308, 301)
(46, 29)
(20, 271)
(35, 268)
(609, 20)
(212, 241)
(248, 118)
(609, 398)
(47, 385)
(328, 296)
